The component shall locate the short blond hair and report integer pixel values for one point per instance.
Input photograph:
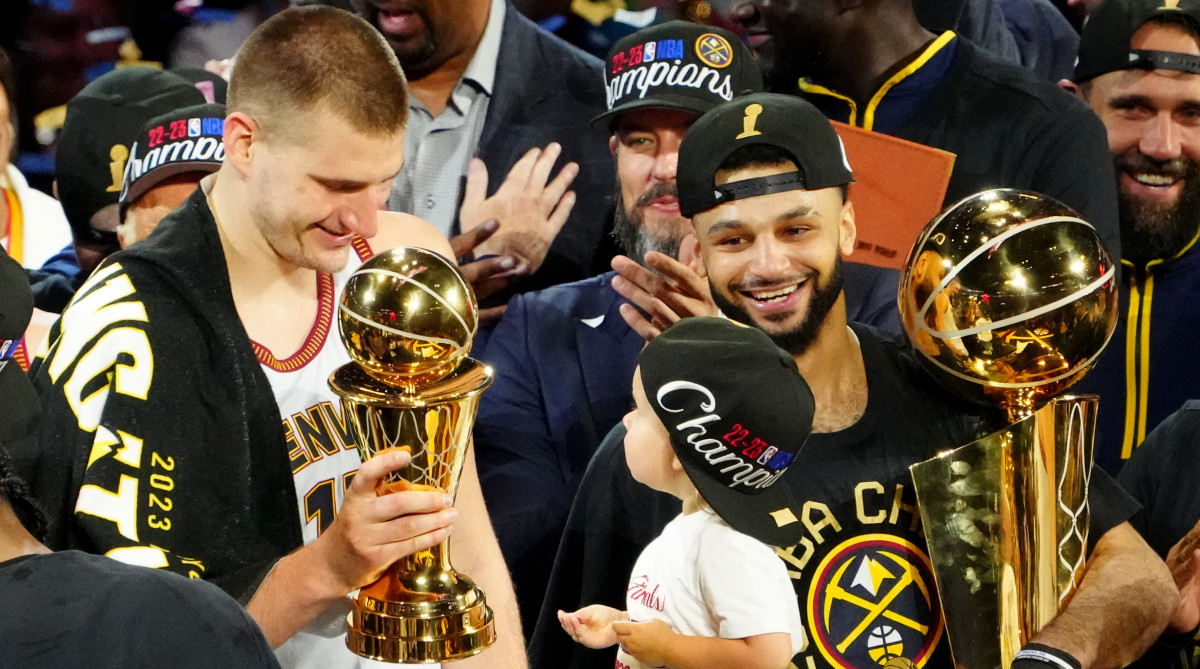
(306, 57)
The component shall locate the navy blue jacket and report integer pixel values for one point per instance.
(1149, 368)
(564, 361)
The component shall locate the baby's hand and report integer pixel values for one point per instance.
(592, 625)
(646, 641)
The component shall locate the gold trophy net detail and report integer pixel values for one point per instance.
(407, 318)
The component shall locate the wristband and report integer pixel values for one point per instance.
(1041, 656)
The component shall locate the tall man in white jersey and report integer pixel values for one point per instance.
(167, 378)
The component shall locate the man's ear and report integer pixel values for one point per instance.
(847, 229)
(241, 134)
(676, 465)
(689, 254)
(1072, 88)
(612, 144)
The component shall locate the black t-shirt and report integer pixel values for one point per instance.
(72, 609)
(1161, 476)
(862, 545)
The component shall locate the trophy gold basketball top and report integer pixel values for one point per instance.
(1008, 298)
(408, 318)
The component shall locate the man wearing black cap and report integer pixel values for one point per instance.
(173, 152)
(872, 65)
(1139, 69)
(102, 121)
(564, 356)
(72, 609)
(763, 178)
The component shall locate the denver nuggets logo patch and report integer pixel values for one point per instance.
(714, 50)
(872, 603)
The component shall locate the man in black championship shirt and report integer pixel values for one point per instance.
(764, 179)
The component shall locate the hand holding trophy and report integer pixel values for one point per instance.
(1008, 298)
(407, 318)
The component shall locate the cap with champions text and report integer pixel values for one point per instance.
(736, 421)
(769, 119)
(102, 122)
(184, 140)
(1104, 43)
(677, 65)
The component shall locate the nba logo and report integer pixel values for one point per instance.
(193, 127)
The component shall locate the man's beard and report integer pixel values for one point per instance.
(799, 339)
(630, 229)
(1149, 230)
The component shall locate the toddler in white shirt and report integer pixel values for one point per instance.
(720, 412)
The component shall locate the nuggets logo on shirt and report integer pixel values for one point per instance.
(872, 602)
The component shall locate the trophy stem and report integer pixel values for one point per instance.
(421, 610)
(1006, 519)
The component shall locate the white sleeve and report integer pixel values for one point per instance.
(746, 587)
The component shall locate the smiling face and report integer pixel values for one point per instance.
(774, 261)
(1153, 123)
(319, 184)
(646, 148)
(426, 33)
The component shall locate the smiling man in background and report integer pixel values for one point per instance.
(1139, 69)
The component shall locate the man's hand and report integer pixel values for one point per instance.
(646, 641)
(530, 210)
(676, 292)
(372, 531)
(592, 625)
(490, 275)
(1184, 562)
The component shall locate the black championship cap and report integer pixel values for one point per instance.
(677, 65)
(181, 141)
(770, 119)
(1104, 44)
(19, 407)
(102, 122)
(737, 411)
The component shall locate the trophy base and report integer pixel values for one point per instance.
(426, 639)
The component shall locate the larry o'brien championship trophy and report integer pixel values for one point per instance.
(407, 318)
(1008, 298)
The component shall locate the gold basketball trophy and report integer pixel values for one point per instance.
(1008, 298)
(407, 318)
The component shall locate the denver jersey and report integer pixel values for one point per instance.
(322, 449)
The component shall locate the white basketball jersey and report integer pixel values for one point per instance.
(321, 445)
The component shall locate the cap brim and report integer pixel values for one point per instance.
(679, 103)
(162, 173)
(21, 406)
(752, 514)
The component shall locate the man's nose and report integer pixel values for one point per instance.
(666, 163)
(745, 13)
(1161, 139)
(770, 260)
(358, 212)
